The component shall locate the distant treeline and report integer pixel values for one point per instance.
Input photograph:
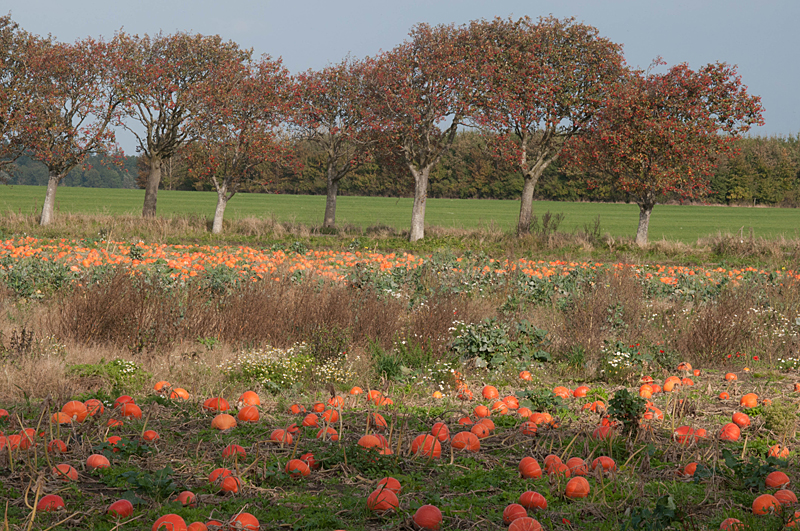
(765, 171)
(98, 171)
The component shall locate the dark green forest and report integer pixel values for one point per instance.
(763, 171)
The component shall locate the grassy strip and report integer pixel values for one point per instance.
(680, 223)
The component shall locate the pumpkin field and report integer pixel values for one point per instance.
(283, 387)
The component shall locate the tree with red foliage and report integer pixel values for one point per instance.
(542, 82)
(330, 113)
(12, 102)
(159, 77)
(419, 93)
(661, 134)
(237, 118)
(70, 103)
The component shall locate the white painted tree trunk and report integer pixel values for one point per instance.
(49, 199)
(151, 188)
(219, 213)
(420, 199)
(330, 200)
(644, 223)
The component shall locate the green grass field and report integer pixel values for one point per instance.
(671, 222)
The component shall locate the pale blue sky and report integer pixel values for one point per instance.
(760, 37)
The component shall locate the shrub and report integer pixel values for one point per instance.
(273, 368)
(124, 376)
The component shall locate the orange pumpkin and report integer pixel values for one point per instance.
(179, 393)
(499, 408)
(558, 470)
(606, 463)
(741, 419)
(382, 501)
(130, 410)
(51, 502)
(550, 460)
(65, 472)
(526, 523)
(336, 401)
(369, 441)
(731, 524)
(330, 416)
(481, 411)
(512, 402)
(480, 430)
(97, 461)
(533, 500)
(730, 432)
(216, 404)
(524, 412)
(297, 468)
(529, 468)
(428, 517)
(390, 483)
(562, 392)
(577, 487)
(223, 421)
(124, 399)
(75, 410)
(170, 522)
(689, 469)
(245, 522)
(60, 418)
(512, 512)
(786, 497)
(749, 400)
(281, 437)
(56, 446)
(120, 509)
(778, 450)
(233, 450)
(187, 498)
(466, 440)
(427, 445)
(94, 406)
(777, 480)
(577, 466)
(441, 431)
(248, 414)
(328, 433)
(490, 392)
(296, 409)
(580, 391)
(766, 504)
(248, 398)
(603, 432)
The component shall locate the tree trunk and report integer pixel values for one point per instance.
(219, 213)
(49, 199)
(526, 203)
(420, 198)
(645, 209)
(151, 188)
(330, 201)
